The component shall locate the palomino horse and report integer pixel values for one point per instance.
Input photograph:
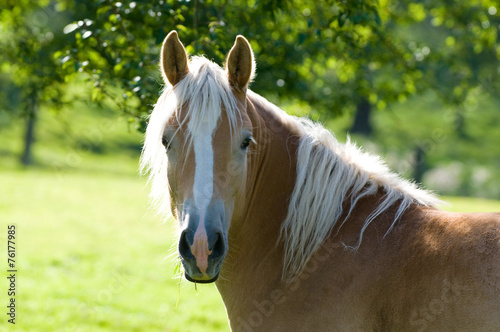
(298, 231)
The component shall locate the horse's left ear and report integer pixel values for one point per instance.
(240, 64)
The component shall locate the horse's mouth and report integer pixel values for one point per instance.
(201, 281)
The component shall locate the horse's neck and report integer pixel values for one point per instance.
(254, 261)
(253, 267)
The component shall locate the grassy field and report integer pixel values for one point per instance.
(91, 256)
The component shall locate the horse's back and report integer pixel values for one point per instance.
(445, 274)
(436, 271)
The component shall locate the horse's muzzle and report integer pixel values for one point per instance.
(203, 243)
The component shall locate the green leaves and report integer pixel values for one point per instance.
(330, 54)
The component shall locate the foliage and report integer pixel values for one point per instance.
(455, 47)
(331, 54)
(293, 42)
(31, 33)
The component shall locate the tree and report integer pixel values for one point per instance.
(337, 56)
(119, 45)
(31, 32)
(454, 46)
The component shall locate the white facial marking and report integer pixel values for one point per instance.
(202, 191)
(204, 173)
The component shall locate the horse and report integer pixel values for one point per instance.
(298, 231)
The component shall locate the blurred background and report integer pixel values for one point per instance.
(414, 81)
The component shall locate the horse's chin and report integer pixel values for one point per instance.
(201, 281)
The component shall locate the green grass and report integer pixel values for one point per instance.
(470, 204)
(90, 254)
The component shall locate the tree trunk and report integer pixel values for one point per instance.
(29, 137)
(419, 164)
(460, 124)
(362, 118)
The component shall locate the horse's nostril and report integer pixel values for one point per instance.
(184, 249)
(218, 247)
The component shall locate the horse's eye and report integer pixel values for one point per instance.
(165, 142)
(246, 142)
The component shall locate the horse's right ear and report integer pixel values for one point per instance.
(173, 59)
(240, 64)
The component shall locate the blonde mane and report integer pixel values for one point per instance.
(328, 173)
(205, 91)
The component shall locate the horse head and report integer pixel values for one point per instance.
(206, 138)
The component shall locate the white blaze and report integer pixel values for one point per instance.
(203, 189)
(204, 173)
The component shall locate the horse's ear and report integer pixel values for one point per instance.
(173, 59)
(240, 64)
